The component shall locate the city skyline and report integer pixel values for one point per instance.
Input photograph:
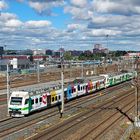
(70, 24)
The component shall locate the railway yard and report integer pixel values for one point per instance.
(102, 115)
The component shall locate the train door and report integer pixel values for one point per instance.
(79, 90)
(25, 109)
(69, 92)
(111, 81)
(30, 104)
(44, 100)
(98, 85)
(37, 103)
(87, 88)
(33, 103)
(49, 100)
(73, 90)
(65, 94)
(53, 97)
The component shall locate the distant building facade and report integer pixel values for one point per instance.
(49, 52)
(38, 52)
(76, 53)
(131, 55)
(99, 49)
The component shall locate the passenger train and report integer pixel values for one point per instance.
(24, 102)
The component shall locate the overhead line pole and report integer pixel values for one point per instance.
(8, 87)
(62, 85)
(136, 85)
(38, 72)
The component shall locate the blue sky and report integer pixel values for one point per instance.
(71, 24)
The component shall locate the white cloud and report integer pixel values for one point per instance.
(13, 23)
(77, 13)
(99, 21)
(38, 6)
(44, 7)
(120, 6)
(3, 5)
(36, 24)
(9, 20)
(7, 16)
(72, 27)
(91, 21)
(104, 32)
(79, 3)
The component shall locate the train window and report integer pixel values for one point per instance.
(74, 89)
(32, 101)
(16, 101)
(84, 87)
(55, 98)
(40, 99)
(52, 99)
(71, 90)
(78, 87)
(65, 93)
(26, 101)
(36, 100)
(59, 97)
(81, 88)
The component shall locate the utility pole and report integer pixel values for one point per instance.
(38, 72)
(62, 85)
(136, 85)
(8, 87)
(107, 54)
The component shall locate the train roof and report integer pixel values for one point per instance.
(86, 79)
(45, 89)
(95, 78)
(19, 94)
(116, 74)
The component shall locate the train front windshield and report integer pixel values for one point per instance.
(16, 101)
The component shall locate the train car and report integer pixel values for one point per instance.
(22, 103)
(96, 83)
(18, 104)
(82, 89)
(71, 91)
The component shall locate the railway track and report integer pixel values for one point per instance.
(12, 125)
(66, 129)
(29, 79)
(107, 124)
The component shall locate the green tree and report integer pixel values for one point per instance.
(67, 56)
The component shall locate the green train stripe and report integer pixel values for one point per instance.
(25, 108)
